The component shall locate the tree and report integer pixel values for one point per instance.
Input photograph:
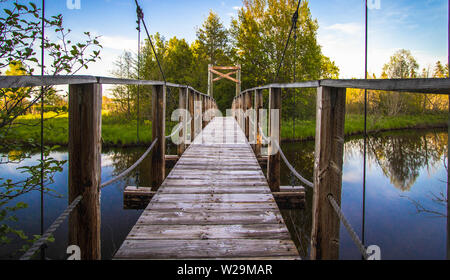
(20, 33)
(213, 39)
(260, 33)
(402, 65)
(440, 71)
(125, 95)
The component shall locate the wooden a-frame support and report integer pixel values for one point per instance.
(215, 70)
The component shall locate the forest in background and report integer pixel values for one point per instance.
(255, 40)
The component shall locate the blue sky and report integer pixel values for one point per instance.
(417, 25)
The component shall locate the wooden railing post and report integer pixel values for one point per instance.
(258, 107)
(204, 109)
(191, 99)
(327, 172)
(198, 114)
(158, 131)
(183, 105)
(247, 107)
(85, 122)
(273, 160)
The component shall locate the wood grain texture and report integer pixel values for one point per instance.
(85, 106)
(158, 132)
(328, 172)
(214, 204)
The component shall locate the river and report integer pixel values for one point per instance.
(405, 197)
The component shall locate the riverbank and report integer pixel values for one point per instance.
(119, 133)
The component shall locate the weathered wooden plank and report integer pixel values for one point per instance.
(214, 190)
(194, 249)
(212, 206)
(203, 232)
(195, 198)
(153, 217)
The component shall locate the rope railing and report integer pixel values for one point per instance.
(291, 168)
(41, 241)
(131, 168)
(179, 126)
(288, 164)
(362, 249)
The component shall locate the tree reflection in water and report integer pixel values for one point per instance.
(401, 156)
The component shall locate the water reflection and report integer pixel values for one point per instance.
(406, 185)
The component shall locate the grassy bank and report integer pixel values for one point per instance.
(354, 125)
(117, 132)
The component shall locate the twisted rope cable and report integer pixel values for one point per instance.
(131, 168)
(41, 241)
(180, 125)
(288, 164)
(349, 228)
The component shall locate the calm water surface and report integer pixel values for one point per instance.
(406, 181)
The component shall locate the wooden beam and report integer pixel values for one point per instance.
(158, 132)
(327, 172)
(224, 76)
(225, 67)
(85, 122)
(273, 163)
(290, 197)
(137, 198)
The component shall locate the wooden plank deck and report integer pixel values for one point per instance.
(214, 204)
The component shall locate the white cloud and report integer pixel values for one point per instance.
(237, 8)
(119, 43)
(349, 28)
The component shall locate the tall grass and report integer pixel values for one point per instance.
(118, 130)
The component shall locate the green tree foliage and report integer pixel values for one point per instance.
(260, 35)
(214, 40)
(21, 35)
(255, 40)
(125, 95)
(402, 65)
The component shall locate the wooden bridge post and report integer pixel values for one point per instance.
(158, 131)
(241, 111)
(191, 99)
(198, 114)
(204, 110)
(85, 122)
(273, 160)
(327, 172)
(258, 107)
(183, 105)
(247, 107)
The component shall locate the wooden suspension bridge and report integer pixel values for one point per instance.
(216, 202)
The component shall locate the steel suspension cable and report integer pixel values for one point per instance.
(365, 129)
(151, 43)
(140, 16)
(294, 21)
(42, 126)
